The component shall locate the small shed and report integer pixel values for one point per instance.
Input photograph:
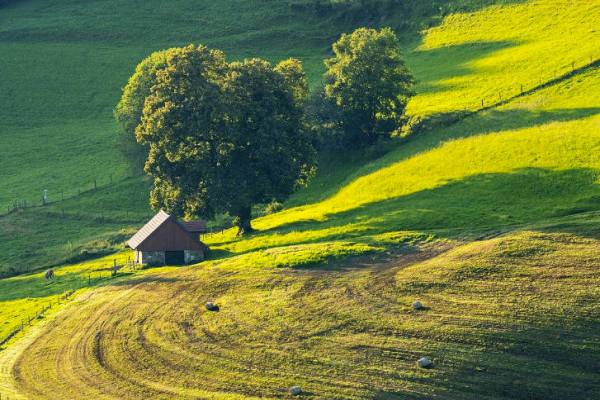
(164, 240)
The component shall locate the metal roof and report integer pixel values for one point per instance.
(160, 218)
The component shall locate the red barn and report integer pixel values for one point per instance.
(166, 241)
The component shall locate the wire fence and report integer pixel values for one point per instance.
(49, 197)
(93, 278)
(508, 93)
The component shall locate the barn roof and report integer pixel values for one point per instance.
(197, 226)
(148, 229)
(164, 233)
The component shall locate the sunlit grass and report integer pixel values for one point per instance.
(64, 65)
(497, 52)
(496, 310)
(321, 295)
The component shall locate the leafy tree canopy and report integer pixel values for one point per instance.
(222, 136)
(128, 111)
(368, 80)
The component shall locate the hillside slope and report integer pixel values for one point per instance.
(65, 63)
(491, 222)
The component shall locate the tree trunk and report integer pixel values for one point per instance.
(244, 221)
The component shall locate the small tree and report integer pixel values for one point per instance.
(223, 137)
(368, 80)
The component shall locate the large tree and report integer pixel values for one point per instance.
(128, 111)
(368, 80)
(223, 137)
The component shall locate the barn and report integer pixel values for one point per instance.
(166, 241)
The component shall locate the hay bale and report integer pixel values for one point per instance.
(210, 306)
(424, 362)
(417, 305)
(295, 391)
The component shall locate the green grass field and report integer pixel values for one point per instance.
(492, 222)
(65, 63)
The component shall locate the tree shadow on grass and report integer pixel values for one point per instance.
(456, 60)
(493, 120)
(475, 205)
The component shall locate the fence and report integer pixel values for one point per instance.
(62, 195)
(112, 271)
(509, 93)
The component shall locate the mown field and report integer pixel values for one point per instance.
(512, 317)
(491, 222)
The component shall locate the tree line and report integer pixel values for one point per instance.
(220, 137)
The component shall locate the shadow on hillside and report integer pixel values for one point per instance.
(530, 361)
(475, 205)
(456, 60)
(476, 124)
(528, 344)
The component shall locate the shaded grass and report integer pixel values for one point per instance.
(92, 223)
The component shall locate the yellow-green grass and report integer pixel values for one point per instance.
(512, 317)
(499, 51)
(507, 317)
(23, 298)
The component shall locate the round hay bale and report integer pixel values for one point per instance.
(210, 306)
(417, 305)
(424, 362)
(295, 391)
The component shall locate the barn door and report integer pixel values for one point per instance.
(174, 258)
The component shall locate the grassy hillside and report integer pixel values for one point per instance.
(498, 52)
(531, 160)
(491, 222)
(65, 63)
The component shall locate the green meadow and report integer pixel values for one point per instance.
(65, 63)
(491, 221)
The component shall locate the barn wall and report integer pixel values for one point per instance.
(151, 257)
(192, 256)
(170, 236)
